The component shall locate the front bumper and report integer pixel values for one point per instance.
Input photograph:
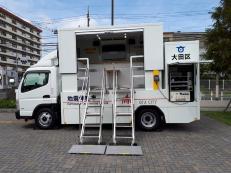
(18, 116)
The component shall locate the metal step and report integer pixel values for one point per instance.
(123, 106)
(95, 91)
(123, 113)
(123, 90)
(123, 125)
(138, 76)
(82, 78)
(138, 66)
(92, 125)
(124, 137)
(97, 106)
(93, 114)
(82, 68)
(90, 136)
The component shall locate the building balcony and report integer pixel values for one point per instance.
(18, 49)
(8, 29)
(19, 27)
(28, 64)
(19, 41)
(9, 54)
(12, 63)
(14, 55)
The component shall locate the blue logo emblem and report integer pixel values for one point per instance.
(180, 49)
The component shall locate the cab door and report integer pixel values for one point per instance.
(35, 89)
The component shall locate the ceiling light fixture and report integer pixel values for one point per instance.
(98, 37)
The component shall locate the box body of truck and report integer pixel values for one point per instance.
(164, 77)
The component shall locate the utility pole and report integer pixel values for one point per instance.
(88, 17)
(112, 12)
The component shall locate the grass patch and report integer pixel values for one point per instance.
(224, 117)
(7, 103)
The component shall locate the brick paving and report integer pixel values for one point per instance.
(203, 146)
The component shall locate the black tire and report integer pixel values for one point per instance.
(45, 118)
(148, 119)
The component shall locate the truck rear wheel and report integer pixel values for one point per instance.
(45, 118)
(148, 119)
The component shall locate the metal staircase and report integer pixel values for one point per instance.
(116, 108)
(90, 110)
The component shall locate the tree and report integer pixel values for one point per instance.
(218, 41)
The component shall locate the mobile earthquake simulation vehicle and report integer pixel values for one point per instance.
(120, 75)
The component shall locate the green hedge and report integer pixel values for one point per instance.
(7, 103)
(224, 117)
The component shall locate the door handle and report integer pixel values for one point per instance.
(46, 96)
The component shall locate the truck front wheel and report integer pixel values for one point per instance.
(148, 119)
(45, 118)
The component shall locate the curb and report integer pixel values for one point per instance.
(8, 110)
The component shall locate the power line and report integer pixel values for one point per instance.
(126, 15)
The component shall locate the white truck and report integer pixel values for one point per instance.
(120, 75)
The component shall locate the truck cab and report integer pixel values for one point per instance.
(38, 92)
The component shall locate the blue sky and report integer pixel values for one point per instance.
(176, 15)
(183, 15)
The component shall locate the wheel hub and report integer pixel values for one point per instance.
(45, 119)
(148, 119)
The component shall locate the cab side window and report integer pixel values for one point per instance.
(34, 80)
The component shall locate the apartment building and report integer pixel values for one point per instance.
(20, 47)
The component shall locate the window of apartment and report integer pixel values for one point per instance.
(31, 43)
(3, 33)
(3, 50)
(37, 45)
(3, 16)
(3, 58)
(38, 52)
(3, 24)
(23, 33)
(14, 45)
(23, 26)
(14, 21)
(3, 41)
(23, 40)
(23, 55)
(31, 30)
(14, 37)
(31, 36)
(38, 33)
(14, 29)
(38, 39)
(23, 48)
(31, 50)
